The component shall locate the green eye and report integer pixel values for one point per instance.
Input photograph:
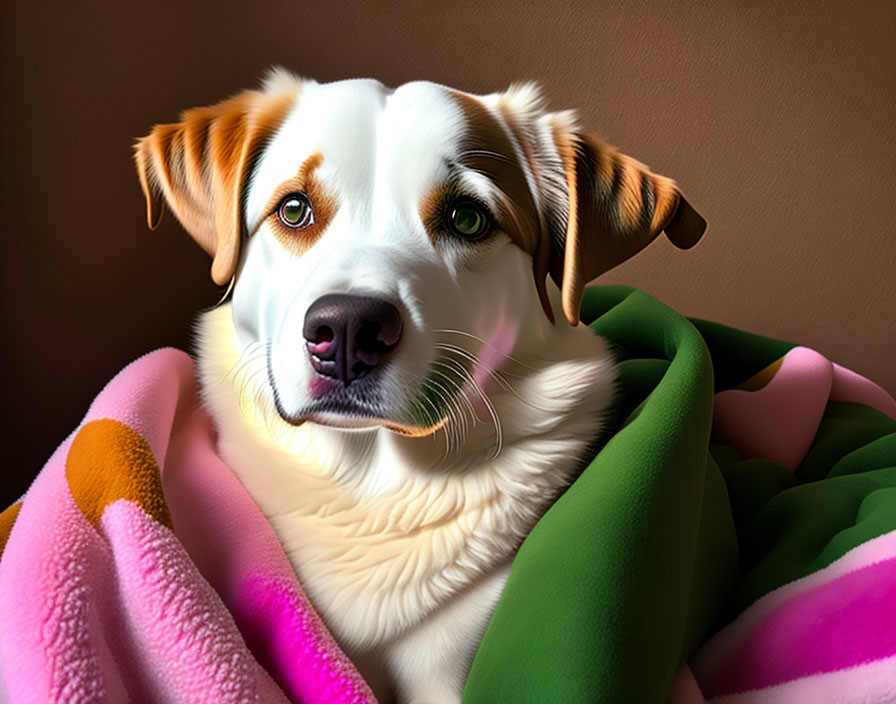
(469, 220)
(295, 211)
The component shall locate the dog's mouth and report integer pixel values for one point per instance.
(356, 406)
(353, 415)
(362, 404)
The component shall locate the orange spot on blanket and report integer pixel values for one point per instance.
(109, 461)
(7, 519)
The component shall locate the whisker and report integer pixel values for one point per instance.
(494, 373)
(425, 404)
(444, 363)
(448, 427)
(456, 382)
(451, 399)
(254, 386)
(483, 152)
(419, 401)
(245, 371)
(499, 433)
(252, 350)
(452, 411)
(487, 344)
(452, 427)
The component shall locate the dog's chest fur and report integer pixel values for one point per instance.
(380, 533)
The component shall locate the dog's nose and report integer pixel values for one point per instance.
(348, 336)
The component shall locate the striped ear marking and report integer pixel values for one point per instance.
(200, 167)
(617, 206)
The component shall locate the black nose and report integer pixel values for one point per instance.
(348, 336)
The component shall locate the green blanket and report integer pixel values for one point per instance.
(733, 540)
(668, 534)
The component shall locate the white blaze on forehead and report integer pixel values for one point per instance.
(420, 128)
(391, 146)
(337, 120)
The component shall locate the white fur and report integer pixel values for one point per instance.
(402, 543)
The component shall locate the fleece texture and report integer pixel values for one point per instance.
(750, 532)
(732, 540)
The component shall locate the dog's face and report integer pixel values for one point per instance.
(390, 248)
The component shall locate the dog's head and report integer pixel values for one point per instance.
(388, 247)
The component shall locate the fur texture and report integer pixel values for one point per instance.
(402, 517)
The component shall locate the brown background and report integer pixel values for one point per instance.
(776, 118)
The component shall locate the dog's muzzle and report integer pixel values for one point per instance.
(348, 336)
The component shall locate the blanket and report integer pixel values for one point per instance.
(733, 540)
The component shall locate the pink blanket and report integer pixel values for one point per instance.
(139, 569)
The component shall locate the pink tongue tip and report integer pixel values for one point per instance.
(319, 347)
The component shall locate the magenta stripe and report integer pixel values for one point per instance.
(288, 638)
(845, 622)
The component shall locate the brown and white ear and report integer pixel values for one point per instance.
(617, 206)
(200, 168)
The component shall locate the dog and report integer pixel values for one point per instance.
(399, 375)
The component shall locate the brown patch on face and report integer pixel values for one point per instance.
(488, 148)
(200, 167)
(431, 208)
(323, 207)
(522, 140)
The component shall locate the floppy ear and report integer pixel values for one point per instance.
(616, 208)
(200, 168)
